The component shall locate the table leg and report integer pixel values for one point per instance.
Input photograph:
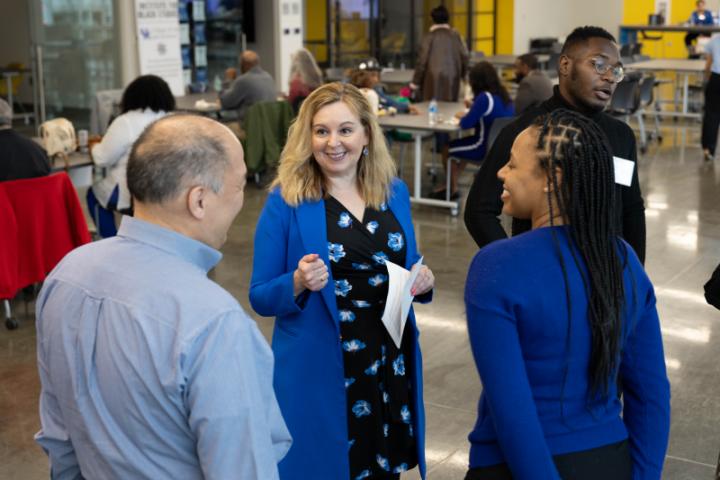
(418, 167)
(417, 179)
(686, 77)
(8, 80)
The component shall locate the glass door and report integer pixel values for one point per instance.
(352, 30)
(75, 54)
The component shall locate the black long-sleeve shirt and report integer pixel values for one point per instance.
(484, 205)
(20, 157)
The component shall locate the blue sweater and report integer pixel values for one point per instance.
(518, 325)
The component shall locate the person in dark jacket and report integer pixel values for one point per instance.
(534, 86)
(442, 62)
(20, 157)
(589, 69)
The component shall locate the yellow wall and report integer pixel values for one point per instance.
(315, 22)
(671, 45)
(505, 23)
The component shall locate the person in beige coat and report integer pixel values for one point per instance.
(442, 62)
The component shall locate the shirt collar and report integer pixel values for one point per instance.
(195, 252)
(439, 25)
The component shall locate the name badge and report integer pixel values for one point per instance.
(623, 171)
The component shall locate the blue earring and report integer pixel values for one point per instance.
(366, 152)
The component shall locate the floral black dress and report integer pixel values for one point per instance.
(377, 379)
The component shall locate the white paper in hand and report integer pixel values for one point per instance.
(399, 299)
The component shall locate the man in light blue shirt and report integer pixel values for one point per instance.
(149, 369)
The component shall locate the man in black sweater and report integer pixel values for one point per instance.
(589, 70)
(20, 157)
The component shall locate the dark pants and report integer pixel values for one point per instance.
(711, 118)
(103, 217)
(603, 463)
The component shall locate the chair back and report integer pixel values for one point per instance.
(48, 223)
(105, 108)
(266, 126)
(647, 86)
(497, 125)
(626, 99)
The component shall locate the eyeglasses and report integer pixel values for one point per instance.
(602, 67)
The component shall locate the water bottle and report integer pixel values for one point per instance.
(432, 112)
(217, 83)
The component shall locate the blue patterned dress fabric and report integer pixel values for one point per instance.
(380, 432)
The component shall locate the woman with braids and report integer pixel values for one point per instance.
(562, 320)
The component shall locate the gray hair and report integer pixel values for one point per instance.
(5, 113)
(173, 153)
(303, 63)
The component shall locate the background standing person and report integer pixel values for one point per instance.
(145, 100)
(562, 317)
(442, 62)
(352, 398)
(534, 86)
(700, 17)
(711, 115)
(148, 368)
(589, 70)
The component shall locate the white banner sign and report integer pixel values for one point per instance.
(158, 31)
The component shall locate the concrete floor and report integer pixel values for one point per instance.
(683, 218)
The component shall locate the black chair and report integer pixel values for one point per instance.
(647, 107)
(626, 99)
(625, 102)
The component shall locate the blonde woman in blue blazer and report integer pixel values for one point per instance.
(351, 398)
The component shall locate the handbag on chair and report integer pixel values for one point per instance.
(58, 138)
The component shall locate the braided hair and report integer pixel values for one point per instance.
(586, 200)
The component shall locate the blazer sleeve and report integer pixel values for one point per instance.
(401, 193)
(646, 392)
(271, 285)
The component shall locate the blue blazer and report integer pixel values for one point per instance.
(309, 374)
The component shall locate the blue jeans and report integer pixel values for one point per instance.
(103, 217)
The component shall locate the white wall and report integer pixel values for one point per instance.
(557, 18)
(266, 23)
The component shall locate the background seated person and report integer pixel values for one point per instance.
(253, 86)
(490, 101)
(20, 157)
(305, 76)
(145, 100)
(534, 86)
(387, 101)
(363, 80)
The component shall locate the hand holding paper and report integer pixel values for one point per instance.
(399, 298)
